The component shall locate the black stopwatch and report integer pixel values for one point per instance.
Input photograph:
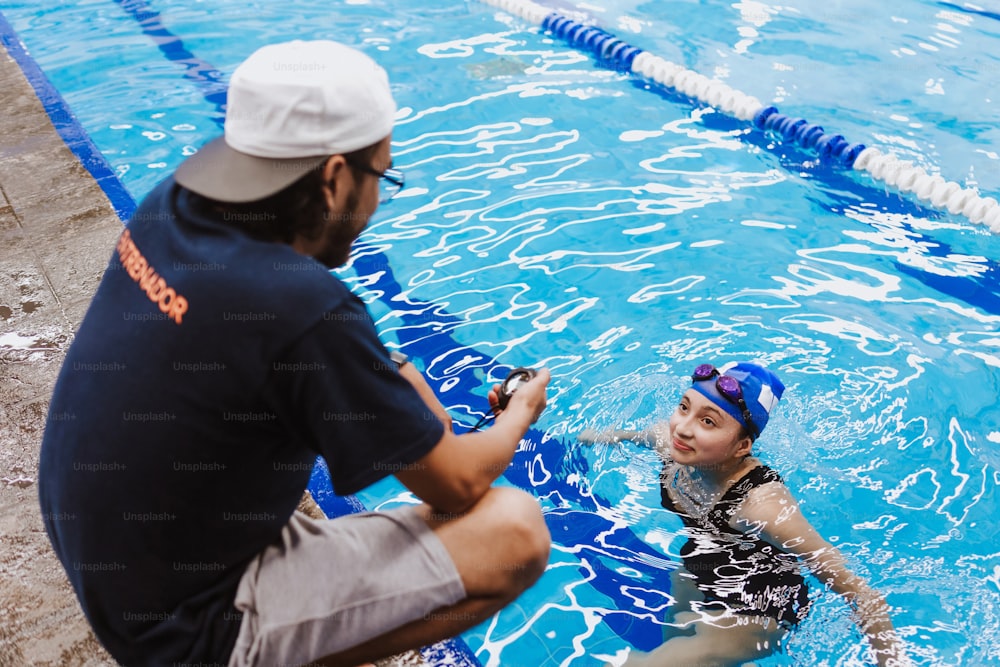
(515, 379)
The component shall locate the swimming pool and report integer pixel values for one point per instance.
(563, 214)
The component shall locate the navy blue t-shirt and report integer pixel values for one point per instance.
(208, 373)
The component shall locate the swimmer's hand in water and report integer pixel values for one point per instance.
(592, 436)
(650, 437)
(612, 436)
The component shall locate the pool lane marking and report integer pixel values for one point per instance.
(211, 82)
(66, 124)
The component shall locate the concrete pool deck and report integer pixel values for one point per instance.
(59, 230)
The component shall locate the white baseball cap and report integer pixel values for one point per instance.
(290, 106)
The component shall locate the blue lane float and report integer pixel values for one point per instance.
(832, 149)
(602, 44)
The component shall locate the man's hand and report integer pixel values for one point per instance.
(459, 471)
(529, 397)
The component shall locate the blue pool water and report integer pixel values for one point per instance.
(561, 214)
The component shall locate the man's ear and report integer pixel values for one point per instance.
(335, 171)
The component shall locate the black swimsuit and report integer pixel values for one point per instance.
(740, 570)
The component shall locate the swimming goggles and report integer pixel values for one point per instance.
(729, 388)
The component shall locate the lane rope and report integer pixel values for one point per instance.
(831, 148)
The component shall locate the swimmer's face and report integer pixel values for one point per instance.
(702, 435)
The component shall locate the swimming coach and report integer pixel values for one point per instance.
(219, 357)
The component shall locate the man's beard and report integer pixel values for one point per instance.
(340, 235)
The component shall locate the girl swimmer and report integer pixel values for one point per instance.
(740, 589)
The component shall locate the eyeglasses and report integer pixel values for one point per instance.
(390, 181)
(729, 388)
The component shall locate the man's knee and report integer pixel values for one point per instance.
(517, 528)
(528, 531)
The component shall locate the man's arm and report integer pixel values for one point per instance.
(460, 469)
(416, 378)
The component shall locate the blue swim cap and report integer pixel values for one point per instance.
(761, 390)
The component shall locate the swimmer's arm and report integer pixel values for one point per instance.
(773, 511)
(592, 436)
(650, 437)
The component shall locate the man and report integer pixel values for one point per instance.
(219, 357)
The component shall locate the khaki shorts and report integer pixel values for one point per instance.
(329, 585)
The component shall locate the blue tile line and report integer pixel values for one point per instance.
(210, 81)
(66, 123)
